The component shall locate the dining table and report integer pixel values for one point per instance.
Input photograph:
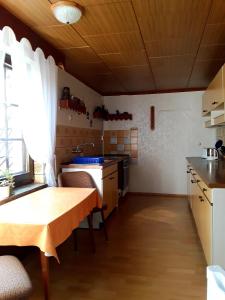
(45, 219)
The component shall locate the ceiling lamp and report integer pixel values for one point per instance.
(66, 12)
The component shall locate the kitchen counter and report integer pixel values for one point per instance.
(107, 163)
(212, 172)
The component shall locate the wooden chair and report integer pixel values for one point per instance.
(83, 179)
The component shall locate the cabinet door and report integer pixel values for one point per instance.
(189, 185)
(195, 202)
(107, 195)
(202, 212)
(214, 95)
(206, 103)
(205, 227)
(216, 90)
(110, 192)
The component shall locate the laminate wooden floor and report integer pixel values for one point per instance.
(153, 254)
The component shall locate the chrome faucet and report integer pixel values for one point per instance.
(77, 149)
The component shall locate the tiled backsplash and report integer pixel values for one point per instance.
(69, 137)
(121, 142)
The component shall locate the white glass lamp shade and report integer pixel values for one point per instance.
(66, 12)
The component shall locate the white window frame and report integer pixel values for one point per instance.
(28, 165)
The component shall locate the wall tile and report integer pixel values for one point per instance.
(121, 141)
(134, 146)
(127, 148)
(69, 137)
(133, 140)
(134, 132)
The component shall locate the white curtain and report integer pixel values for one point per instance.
(35, 83)
(2, 56)
(48, 71)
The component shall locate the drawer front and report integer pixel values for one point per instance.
(109, 170)
(204, 188)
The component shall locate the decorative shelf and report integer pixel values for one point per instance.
(74, 104)
(98, 115)
(118, 117)
(102, 113)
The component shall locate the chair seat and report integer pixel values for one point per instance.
(14, 280)
(104, 207)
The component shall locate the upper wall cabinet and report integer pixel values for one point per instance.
(214, 95)
(213, 100)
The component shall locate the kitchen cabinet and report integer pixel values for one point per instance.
(105, 177)
(213, 100)
(110, 192)
(208, 207)
(205, 103)
(205, 211)
(214, 94)
(202, 212)
(195, 202)
(189, 192)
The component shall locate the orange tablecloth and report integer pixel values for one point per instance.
(45, 218)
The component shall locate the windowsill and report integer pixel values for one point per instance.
(24, 190)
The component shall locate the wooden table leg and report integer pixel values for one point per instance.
(45, 274)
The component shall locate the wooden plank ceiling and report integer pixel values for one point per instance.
(134, 46)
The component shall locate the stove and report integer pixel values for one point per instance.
(123, 171)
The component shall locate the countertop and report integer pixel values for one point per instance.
(107, 163)
(212, 172)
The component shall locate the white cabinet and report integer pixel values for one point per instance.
(208, 208)
(106, 180)
(213, 100)
(110, 192)
(205, 226)
(214, 94)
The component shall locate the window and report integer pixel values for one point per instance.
(13, 153)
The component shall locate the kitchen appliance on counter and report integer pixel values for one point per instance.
(210, 153)
(123, 171)
(221, 149)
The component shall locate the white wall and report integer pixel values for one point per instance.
(178, 133)
(80, 90)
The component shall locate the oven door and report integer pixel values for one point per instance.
(125, 178)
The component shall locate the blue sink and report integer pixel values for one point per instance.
(88, 160)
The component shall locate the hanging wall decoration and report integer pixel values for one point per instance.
(102, 113)
(68, 101)
(152, 117)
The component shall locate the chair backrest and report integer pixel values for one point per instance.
(79, 179)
